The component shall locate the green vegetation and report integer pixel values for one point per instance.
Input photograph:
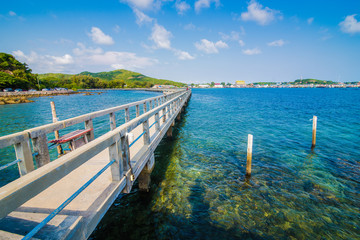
(299, 82)
(265, 83)
(131, 79)
(114, 79)
(311, 81)
(14, 74)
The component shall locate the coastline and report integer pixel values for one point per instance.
(23, 97)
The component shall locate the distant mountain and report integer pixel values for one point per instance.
(113, 79)
(128, 77)
(299, 82)
(312, 81)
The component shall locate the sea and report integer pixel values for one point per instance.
(198, 187)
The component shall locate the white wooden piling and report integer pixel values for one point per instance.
(249, 155)
(55, 119)
(314, 131)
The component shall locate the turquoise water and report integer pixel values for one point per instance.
(199, 189)
(18, 117)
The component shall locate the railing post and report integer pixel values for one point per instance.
(125, 159)
(117, 166)
(89, 125)
(150, 104)
(23, 152)
(164, 114)
(157, 120)
(112, 121)
(127, 115)
(137, 111)
(145, 107)
(41, 148)
(147, 132)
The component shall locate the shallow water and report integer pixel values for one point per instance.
(18, 117)
(198, 188)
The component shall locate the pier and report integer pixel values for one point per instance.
(67, 197)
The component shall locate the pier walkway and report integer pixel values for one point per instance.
(67, 197)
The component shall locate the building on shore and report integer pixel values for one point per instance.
(240, 83)
(218, 85)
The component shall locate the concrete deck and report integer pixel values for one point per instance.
(78, 219)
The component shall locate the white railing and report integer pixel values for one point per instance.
(38, 136)
(21, 190)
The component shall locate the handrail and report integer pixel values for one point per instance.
(14, 138)
(19, 191)
(64, 204)
(38, 135)
(9, 164)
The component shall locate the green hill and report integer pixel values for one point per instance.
(113, 79)
(14, 74)
(130, 78)
(312, 81)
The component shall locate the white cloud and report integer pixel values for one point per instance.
(116, 60)
(99, 37)
(44, 63)
(142, 4)
(209, 47)
(145, 4)
(66, 59)
(234, 36)
(182, 55)
(258, 14)
(25, 58)
(161, 37)
(350, 25)
(82, 50)
(241, 43)
(199, 4)
(253, 51)
(310, 20)
(85, 60)
(11, 13)
(277, 43)
(181, 7)
(142, 17)
(221, 44)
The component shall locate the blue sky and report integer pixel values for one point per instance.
(189, 41)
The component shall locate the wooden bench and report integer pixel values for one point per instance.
(75, 139)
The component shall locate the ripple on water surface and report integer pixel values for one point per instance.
(198, 186)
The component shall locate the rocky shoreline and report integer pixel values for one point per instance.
(23, 97)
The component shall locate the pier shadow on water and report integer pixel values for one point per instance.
(133, 216)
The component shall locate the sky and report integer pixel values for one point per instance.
(198, 41)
